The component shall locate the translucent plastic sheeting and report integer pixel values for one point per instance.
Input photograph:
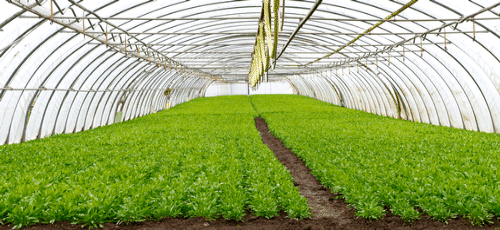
(275, 87)
(53, 79)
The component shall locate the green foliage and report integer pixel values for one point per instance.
(201, 158)
(377, 161)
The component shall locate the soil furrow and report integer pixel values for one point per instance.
(321, 200)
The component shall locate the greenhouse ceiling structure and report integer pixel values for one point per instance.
(72, 65)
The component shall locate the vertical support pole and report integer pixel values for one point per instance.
(421, 46)
(445, 39)
(106, 35)
(51, 10)
(83, 21)
(474, 29)
(404, 52)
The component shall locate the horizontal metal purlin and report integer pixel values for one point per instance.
(283, 61)
(284, 34)
(291, 52)
(77, 90)
(86, 90)
(257, 18)
(296, 45)
(347, 52)
(172, 33)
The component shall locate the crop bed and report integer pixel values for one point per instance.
(205, 160)
(375, 162)
(199, 159)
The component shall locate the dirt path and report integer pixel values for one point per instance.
(321, 200)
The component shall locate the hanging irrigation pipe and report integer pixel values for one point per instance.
(309, 14)
(406, 6)
(422, 36)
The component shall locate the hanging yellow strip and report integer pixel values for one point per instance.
(262, 44)
(267, 26)
(276, 8)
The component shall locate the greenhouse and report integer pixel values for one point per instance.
(255, 114)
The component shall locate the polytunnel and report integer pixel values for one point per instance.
(73, 65)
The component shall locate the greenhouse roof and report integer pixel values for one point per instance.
(106, 56)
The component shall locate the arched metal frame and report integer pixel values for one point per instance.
(54, 80)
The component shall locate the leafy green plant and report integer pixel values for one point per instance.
(201, 158)
(378, 161)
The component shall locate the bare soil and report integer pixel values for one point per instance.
(328, 212)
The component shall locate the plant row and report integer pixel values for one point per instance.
(201, 158)
(376, 162)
